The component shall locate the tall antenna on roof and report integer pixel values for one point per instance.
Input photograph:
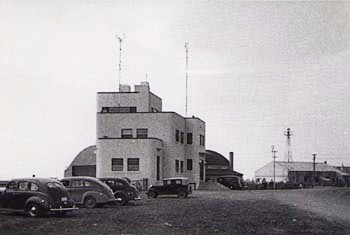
(288, 153)
(120, 40)
(186, 47)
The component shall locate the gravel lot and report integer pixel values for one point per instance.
(308, 211)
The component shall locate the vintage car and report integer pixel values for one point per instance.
(171, 186)
(89, 191)
(122, 190)
(36, 196)
(231, 181)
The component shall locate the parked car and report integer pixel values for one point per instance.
(89, 191)
(231, 181)
(36, 196)
(122, 189)
(176, 185)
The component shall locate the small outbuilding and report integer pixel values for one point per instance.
(217, 165)
(301, 173)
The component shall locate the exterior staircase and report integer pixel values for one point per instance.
(212, 185)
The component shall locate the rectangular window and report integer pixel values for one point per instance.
(142, 133)
(133, 164)
(189, 138)
(117, 164)
(177, 165)
(201, 140)
(182, 137)
(181, 166)
(77, 184)
(177, 135)
(158, 168)
(126, 133)
(189, 164)
(118, 109)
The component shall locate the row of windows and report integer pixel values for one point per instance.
(140, 133)
(124, 110)
(118, 110)
(118, 164)
(179, 137)
(23, 186)
(179, 165)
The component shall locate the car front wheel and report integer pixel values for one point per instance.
(90, 202)
(121, 199)
(152, 194)
(33, 210)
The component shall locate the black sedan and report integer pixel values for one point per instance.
(122, 189)
(177, 186)
(36, 196)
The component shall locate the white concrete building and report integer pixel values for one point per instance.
(136, 139)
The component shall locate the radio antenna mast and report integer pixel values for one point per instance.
(186, 47)
(120, 40)
(288, 153)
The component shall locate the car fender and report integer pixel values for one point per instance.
(99, 196)
(42, 202)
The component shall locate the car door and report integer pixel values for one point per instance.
(167, 187)
(20, 195)
(77, 190)
(119, 185)
(175, 186)
(8, 194)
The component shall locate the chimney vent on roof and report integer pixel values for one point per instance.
(124, 88)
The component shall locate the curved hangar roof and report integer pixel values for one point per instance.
(86, 157)
(215, 158)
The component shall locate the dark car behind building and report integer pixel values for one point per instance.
(122, 189)
(232, 182)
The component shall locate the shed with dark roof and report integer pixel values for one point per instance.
(217, 165)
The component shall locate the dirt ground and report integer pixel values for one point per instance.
(308, 211)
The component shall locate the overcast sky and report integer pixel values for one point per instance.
(255, 69)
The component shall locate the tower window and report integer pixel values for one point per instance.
(177, 135)
(189, 138)
(142, 133)
(126, 133)
(189, 164)
(117, 164)
(133, 164)
(177, 165)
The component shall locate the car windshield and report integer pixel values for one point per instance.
(54, 185)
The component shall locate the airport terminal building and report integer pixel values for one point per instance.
(136, 139)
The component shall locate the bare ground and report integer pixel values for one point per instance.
(309, 211)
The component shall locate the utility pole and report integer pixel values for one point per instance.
(274, 165)
(314, 168)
